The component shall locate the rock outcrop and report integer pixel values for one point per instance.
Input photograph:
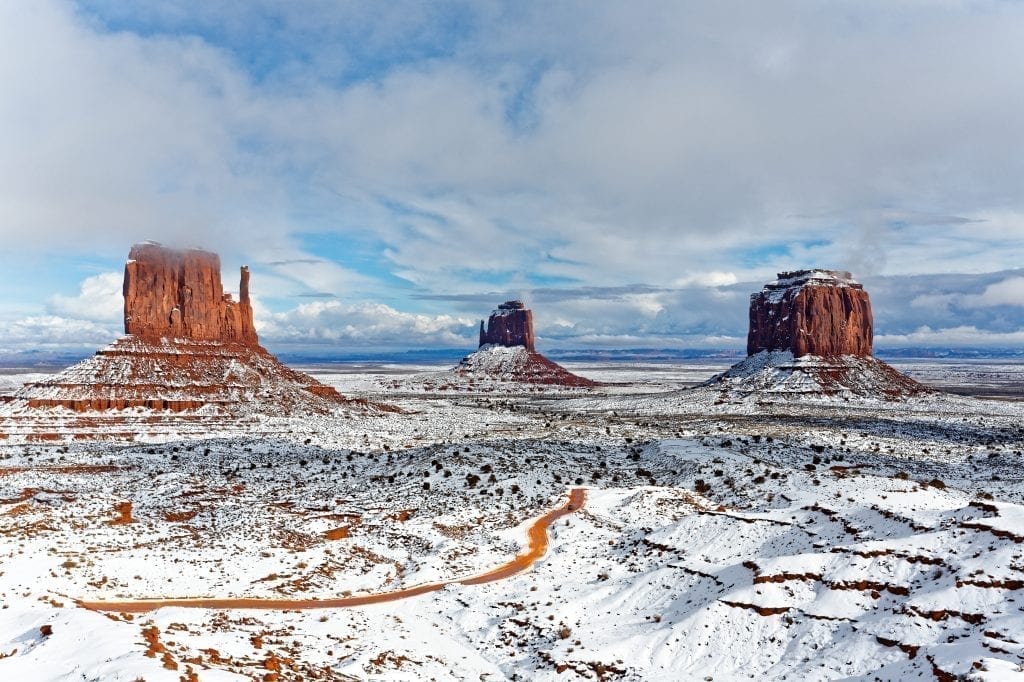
(178, 294)
(811, 334)
(811, 312)
(510, 325)
(507, 354)
(190, 350)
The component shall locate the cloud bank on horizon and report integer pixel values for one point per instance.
(390, 171)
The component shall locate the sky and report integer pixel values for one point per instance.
(390, 171)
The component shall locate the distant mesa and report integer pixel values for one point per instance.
(189, 348)
(507, 353)
(811, 332)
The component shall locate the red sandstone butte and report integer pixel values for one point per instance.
(178, 294)
(510, 325)
(811, 312)
(189, 349)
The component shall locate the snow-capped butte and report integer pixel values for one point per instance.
(190, 354)
(811, 333)
(811, 312)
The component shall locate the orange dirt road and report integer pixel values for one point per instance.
(537, 546)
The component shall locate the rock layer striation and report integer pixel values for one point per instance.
(811, 312)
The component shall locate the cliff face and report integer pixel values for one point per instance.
(811, 312)
(510, 325)
(178, 294)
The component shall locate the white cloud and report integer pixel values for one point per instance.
(706, 279)
(362, 326)
(632, 145)
(690, 146)
(1007, 292)
(952, 337)
(99, 299)
(54, 332)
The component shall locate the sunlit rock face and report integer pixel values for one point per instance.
(178, 294)
(189, 349)
(811, 312)
(510, 325)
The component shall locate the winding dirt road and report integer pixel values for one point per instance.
(537, 546)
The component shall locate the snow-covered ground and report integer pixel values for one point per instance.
(738, 539)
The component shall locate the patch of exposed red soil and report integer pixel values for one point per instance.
(337, 533)
(180, 517)
(155, 648)
(994, 584)
(909, 649)
(944, 614)
(785, 577)
(401, 516)
(998, 532)
(875, 588)
(124, 514)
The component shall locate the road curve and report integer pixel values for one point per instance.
(537, 546)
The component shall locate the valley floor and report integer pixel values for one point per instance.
(714, 538)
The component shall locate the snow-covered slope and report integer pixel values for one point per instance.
(811, 541)
(846, 376)
(516, 364)
(177, 386)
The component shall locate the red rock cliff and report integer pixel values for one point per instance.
(811, 312)
(178, 294)
(510, 325)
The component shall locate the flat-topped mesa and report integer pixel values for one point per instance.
(170, 293)
(510, 325)
(811, 312)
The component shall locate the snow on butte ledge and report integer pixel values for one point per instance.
(811, 333)
(517, 364)
(849, 376)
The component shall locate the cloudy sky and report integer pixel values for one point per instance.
(392, 170)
